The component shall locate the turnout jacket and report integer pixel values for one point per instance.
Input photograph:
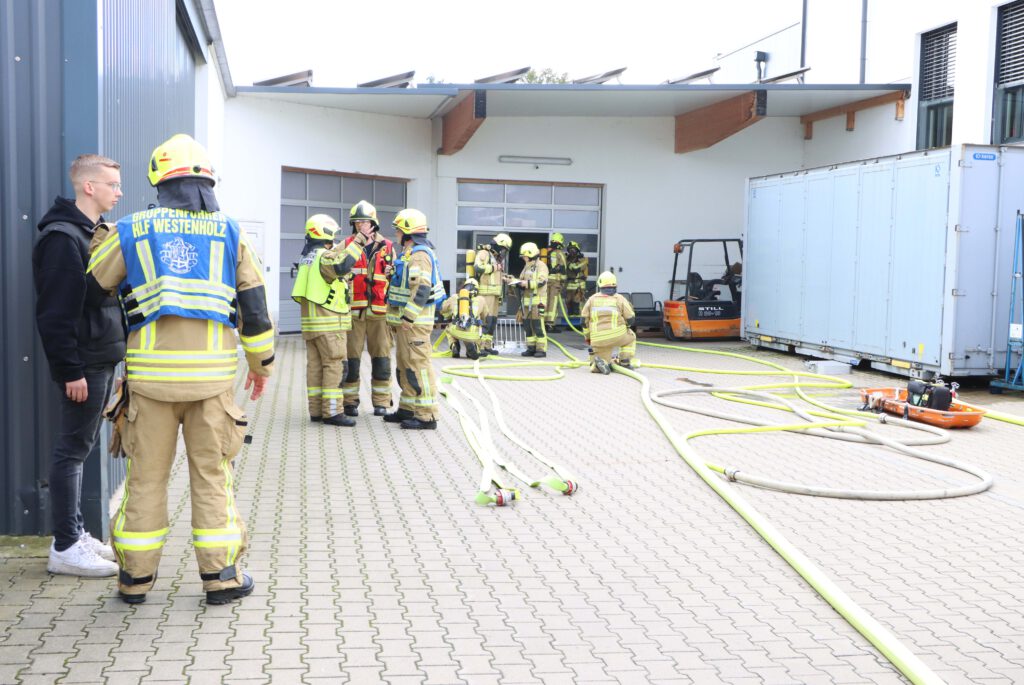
(182, 343)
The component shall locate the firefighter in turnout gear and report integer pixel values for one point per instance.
(188, 278)
(556, 279)
(533, 292)
(370, 328)
(489, 267)
(607, 317)
(463, 311)
(416, 288)
(321, 290)
(577, 270)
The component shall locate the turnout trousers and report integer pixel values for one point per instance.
(415, 372)
(214, 429)
(626, 342)
(551, 310)
(489, 306)
(370, 331)
(533, 327)
(325, 369)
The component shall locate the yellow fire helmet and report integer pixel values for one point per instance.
(503, 240)
(411, 222)
(363, 211)
(179, 157)
(607, 280)
(557, 239)
(471, 284)
(321, 227)
(528, 250)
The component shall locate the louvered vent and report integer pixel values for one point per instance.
(938, 63)
(1011, 44)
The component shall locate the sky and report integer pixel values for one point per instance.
(459, 41)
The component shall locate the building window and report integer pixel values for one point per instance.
(935, 108)
(1009, 94)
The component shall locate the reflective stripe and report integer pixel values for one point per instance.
(314, 392)
(176, 365)
(146, 260)
(261, 342)
(139, 541)
(105, 248)
(216, 537)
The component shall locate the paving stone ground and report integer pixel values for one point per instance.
(373, 564)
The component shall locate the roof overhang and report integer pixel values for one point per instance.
(721, 109)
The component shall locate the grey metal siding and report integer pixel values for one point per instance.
(114, 77)
(30, 171)
(148, 86)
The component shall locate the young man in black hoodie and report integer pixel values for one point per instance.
(84, 338)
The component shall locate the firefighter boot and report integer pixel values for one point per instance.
(529, 352)
(399, 416)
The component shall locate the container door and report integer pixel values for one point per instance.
(874, 238)
(760, 277)
(842, 258)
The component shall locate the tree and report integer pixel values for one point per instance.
(545, 76)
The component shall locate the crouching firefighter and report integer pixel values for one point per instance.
(489, 267)
(321, 290)
(607, 318)
(187, 278)
(416, 288)
(370, 328)
(533, 293)
(463, 312)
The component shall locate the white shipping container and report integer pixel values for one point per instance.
(904, 261)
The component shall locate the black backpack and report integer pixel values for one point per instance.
(929, 396)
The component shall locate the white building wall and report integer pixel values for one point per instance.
(261, 136)
(652, 196)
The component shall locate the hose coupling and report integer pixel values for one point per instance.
(730, 473)
(570, 487)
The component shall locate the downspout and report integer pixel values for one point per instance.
(803, 36)
(863, 39)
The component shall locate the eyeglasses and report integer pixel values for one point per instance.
(114, 185)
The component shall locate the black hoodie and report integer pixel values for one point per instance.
(79, 327)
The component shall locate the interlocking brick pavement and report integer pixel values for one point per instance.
(373, 565)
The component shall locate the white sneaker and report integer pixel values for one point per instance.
(98, 548)
(79, 560)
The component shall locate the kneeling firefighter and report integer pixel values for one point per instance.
(416, 289)
(321, 290)
(463, 312)
(489, 267)
(607, 317)
(370, 328)
(533, 293)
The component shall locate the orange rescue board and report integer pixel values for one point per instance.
(894, 401)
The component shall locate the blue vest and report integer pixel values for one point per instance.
(178, 263)
(398, 292)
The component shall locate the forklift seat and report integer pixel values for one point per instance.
(647, 309)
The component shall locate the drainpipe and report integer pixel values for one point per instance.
(863, 39)
(803, 36)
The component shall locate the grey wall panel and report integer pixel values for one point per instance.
(918, 259)
(148, 90)
(874, 232)
(817, 249)
(790, 258)
(761, 251)
(842, 294)
(31, 170)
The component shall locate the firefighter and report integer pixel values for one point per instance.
(577, 269)
(369, 312)
(533, 291)
(416, 288)
(187, 278)
(556, 279)
(321, 289)
(490, 269)
(463, 313)
(607, 317)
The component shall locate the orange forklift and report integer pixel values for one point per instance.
(705, 309)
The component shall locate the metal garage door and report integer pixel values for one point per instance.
(528, 212)
(304, 193)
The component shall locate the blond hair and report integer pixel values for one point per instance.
(85, 164)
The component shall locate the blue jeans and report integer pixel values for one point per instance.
(79, 430)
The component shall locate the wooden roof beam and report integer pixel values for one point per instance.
(712, 124)
(850, 110)
(459, 125)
